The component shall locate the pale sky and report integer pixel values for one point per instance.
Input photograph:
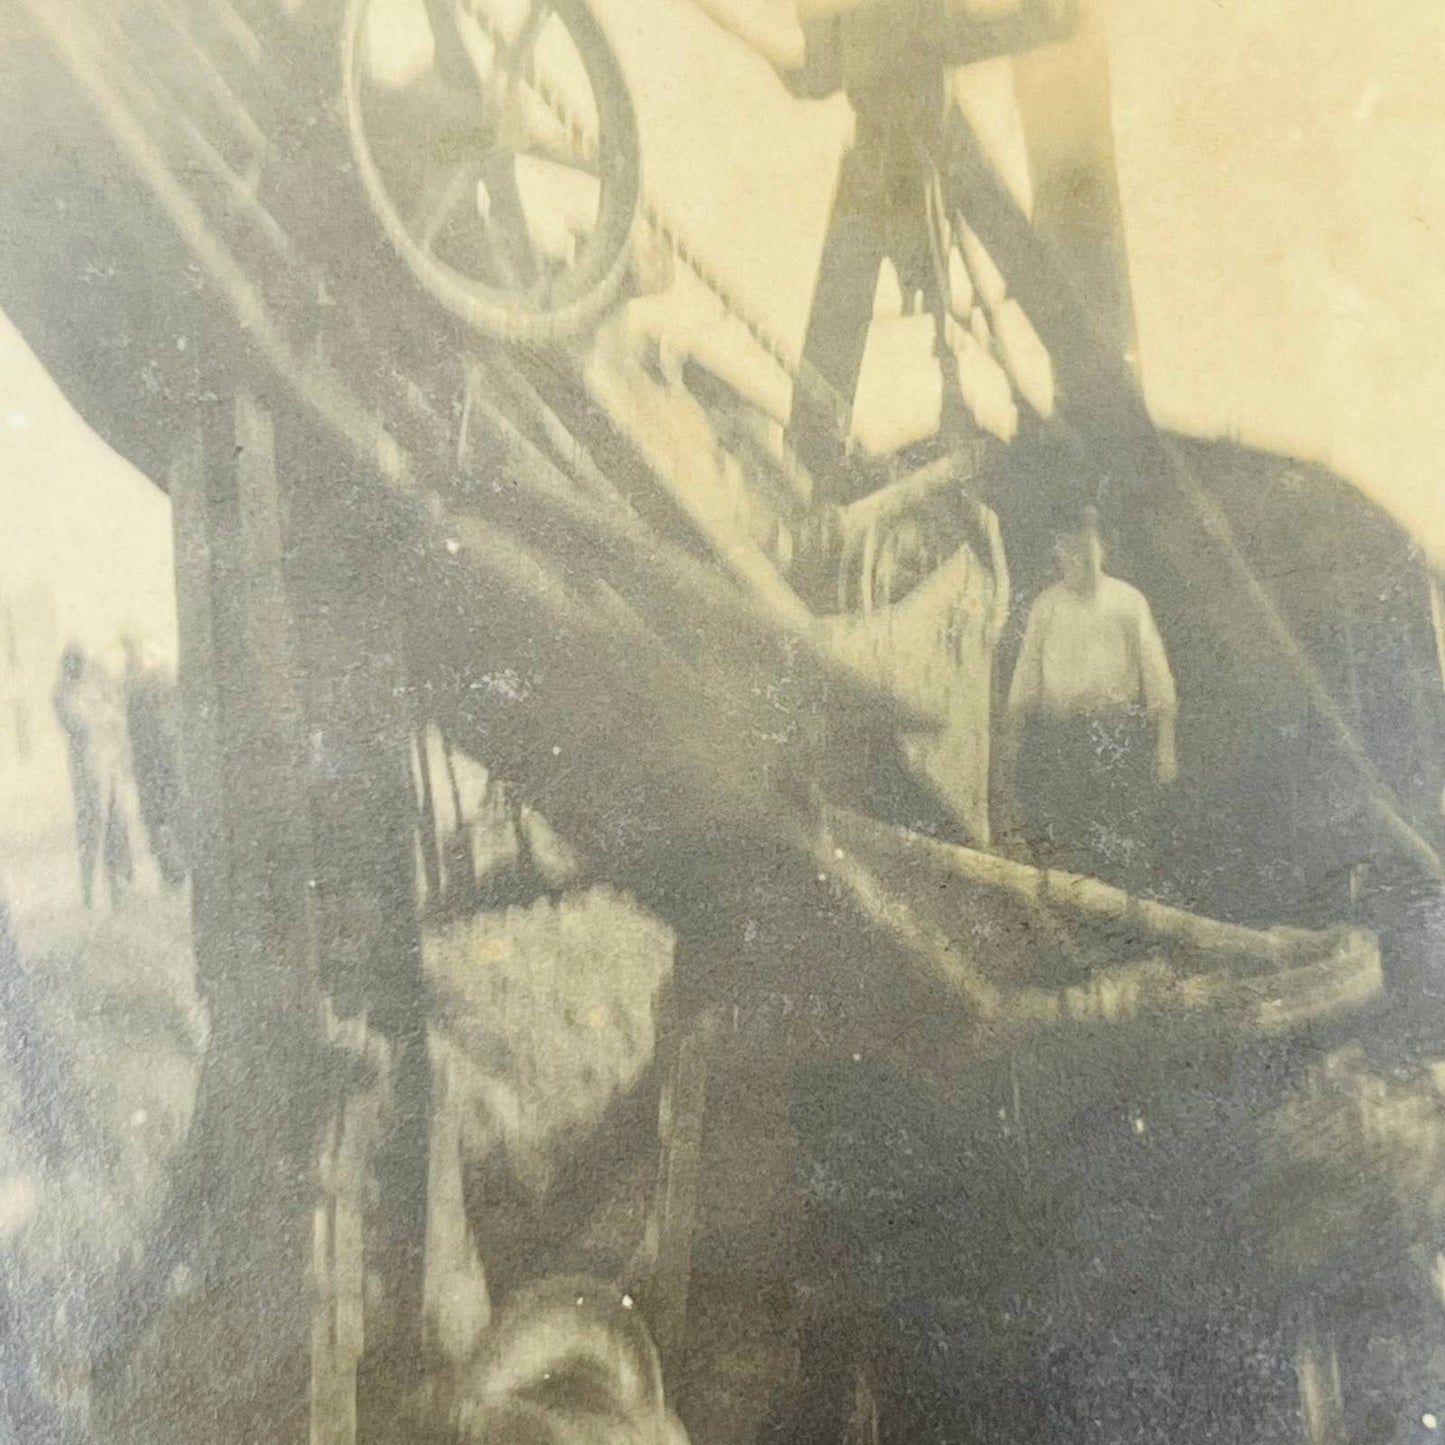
(1282, 165)
(1283, 169)
(74, 515)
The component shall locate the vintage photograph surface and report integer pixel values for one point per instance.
(722, 722)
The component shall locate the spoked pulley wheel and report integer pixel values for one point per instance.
(497, 144)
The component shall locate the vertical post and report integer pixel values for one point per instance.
(254, 1127)
(203, 819)
(354, 639)
(1437, 622)
(458, 1306)
(302, 810)
(1437, 619)
(683, 1045)
(1317, 1371)
(1064, 101)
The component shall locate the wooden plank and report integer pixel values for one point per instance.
(682, 1107)
(1081, 897)
(1063, 98)
(1347, 977)
(252, 1146)
(351, 704)
(359, 1121)
(457, 1303)
(1437, 620)
(1317, 1372)
(199, 702)
(680, 597)
(954, 470)
(673, 433)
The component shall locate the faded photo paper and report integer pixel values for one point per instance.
(722, 721)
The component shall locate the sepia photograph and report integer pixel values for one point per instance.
(722, 722)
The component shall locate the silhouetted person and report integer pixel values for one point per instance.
(107, 814)
(74, 710)
(1091, 711)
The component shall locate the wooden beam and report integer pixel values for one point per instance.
(684, 1042)
(457, 1299)
(1064, 100)
(204, 820)
(249, 846)
(1326, 975)
(1081, 898)
(353, 646)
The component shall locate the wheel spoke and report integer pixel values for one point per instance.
(453, 58)
(497, 66)
(554, 149)
(508, 237)
(442, 193)
(519, 47)
(515, 81)
(434, 123)
(519, 52)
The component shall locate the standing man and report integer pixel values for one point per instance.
(74, 713)
(91, 713)
(1091, 713)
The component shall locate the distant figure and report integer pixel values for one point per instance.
(1091, 713)
(74, 710)
(153, 730)
(108, 828)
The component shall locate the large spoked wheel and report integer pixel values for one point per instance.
(497, 144)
